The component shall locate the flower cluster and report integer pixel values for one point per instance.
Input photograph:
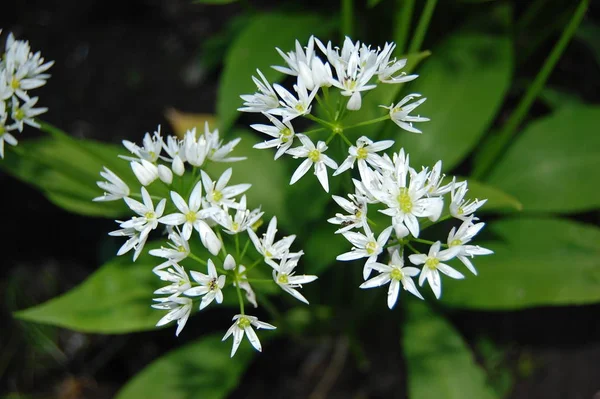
(21, 70)
(179, 194)
(408, 199)
(358, 68)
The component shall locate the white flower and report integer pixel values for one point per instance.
(283, 134)
(195, 151)
(292, 106)
(464, 234)
(267, 246)
(241, 279)
(433, 265)
(165, 174)
(148, 216)
(210, 285)
(150, 151)
(399, 113)
(352, 80)
(395, 273)
(243, 324)
(114, 187)
(146, 172)
(294, 58)
(365, 152)
(176, 275)
(174, 148)
(243, 219)
(25, 114)
(314, 156)
(217, 151)
(434, 181)
(365, 246)
(357, 213)
(284, 276)
(179, 310)
(191, 216)
(262, 101)
(135, 240)
(459, 208)
(5, 136)
(178, 249)
(218, 194)
(387, 68)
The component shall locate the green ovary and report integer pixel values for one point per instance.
(282, 279)
(432, 263)
(190, 217)
(314, 155)
(371, 247)
(286, 135)
(15, 84)
(396, 274)
(299, 107)
(150, 215)
(217, 196)
(362, 153)
(455, 242)
(243, 322)
(404, 201)
(19, 114)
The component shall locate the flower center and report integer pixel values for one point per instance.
(396, 274)
(235, 226)
(181, 248)
(213, 285)
(314, 155)
(19, 114)
(268, 254)
(455, 242)
(243, 322)
(432, 263)
(286, 135)
(362, 153)
(371, 247)
(299, 107)
(15, 84)
(190, 217)
(404, 201)
(460, 210)
(149, 215)
(217, 196)
(282, 279)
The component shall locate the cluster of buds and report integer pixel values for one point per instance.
(196, 203)
(21, 70)
(411, 200)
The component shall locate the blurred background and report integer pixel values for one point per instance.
(120, 67)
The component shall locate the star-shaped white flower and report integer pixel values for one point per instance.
(268, 247)
(461, 208)
(293, 107)
(179, 310)
(357, 213)
(433, 265)
(210, 285)
(396, 274)
(262, 101)
(243, 325)
(284, 276)
(148, 216)
(282, 133)
(399, 113)
(114, 187)
(314, 157)
(218, 194)
(365, 153)
(365, 246)
(176, 275)
(459, 238)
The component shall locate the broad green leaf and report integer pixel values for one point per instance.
(321, 248)
(557, 99)
(554, 165)
(254, 49)
(201, 369)
(537, 262)
(440, 364)
(496, 198)
(465, 81)
(66, 172)
(115, 299)
(267, 177)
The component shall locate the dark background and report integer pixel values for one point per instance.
(119, 67)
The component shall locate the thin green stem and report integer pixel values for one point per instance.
(252, 266)
(239, 295)
(409, 245)
(260, 280)
(419, 36)
(331, 136)
(428, 242)
(509, 129)
(369, 122)
(244, 250)
(198, 259)
(237, 246)
(343, 136)
(223, 251)
(314, 131)
(324, 106)
(405, 12)
(347, 18)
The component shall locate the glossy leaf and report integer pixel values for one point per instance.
(496, 198)
(255, 48)
(67, 171)
(440, 364)
(554, 165)
(537, 262)
(201, 369)
(465, 83)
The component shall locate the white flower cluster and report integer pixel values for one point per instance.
(21, 70)
(410, 199)
(358, 68)
(213, 209)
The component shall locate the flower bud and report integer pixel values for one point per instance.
(165, 174)
(145, 171)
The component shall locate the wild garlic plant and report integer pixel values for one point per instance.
(205, 208)
(329, 86)
(21, 71)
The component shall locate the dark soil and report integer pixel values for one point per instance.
(119, 66)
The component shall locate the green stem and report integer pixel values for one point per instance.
(198, 259)
(509, 129)
(370, 122)
(237, 247)
(239, 295)
(260, 280)
(244, 250)
(347, 18)
(320, 121)
(343, 136)
(419, 36)
(403, 24)
(314, 131)
(324, 106)
(409, 245)
(428, 242)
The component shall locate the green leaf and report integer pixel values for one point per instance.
(115, 299)
(496, 198)
(201, 369)
(269, 180)
(321, 248)
(440, 364)
(66, 172)
(589, 33)
(554, 165)
(465, 82)
(372, 3)
(255, 48)
(537, 262)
